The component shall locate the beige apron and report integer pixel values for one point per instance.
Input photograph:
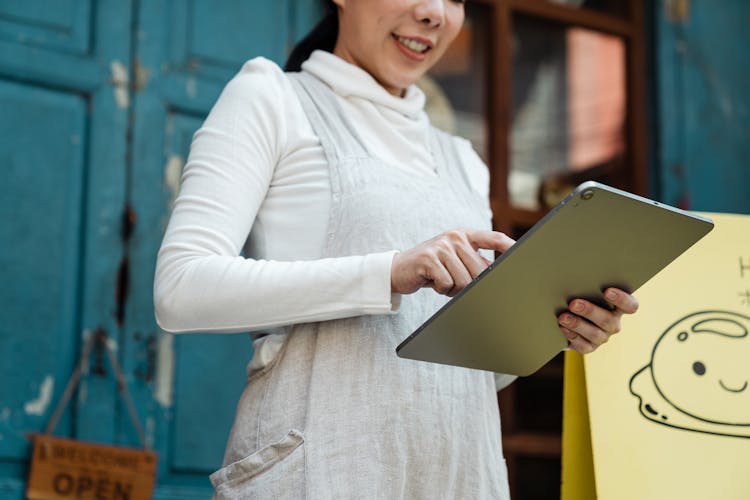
(336, 414)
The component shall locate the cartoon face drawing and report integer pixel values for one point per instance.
(699, 366)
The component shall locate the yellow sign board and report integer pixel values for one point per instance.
(669, 396)
(67, 469)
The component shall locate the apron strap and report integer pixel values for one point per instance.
(338, 138)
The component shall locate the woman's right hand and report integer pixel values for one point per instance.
(446, 263)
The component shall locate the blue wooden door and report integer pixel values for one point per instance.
(704, 108)
(63, 122)
(185, 52)
(99, 101)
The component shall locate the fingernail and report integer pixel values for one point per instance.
(611, 295)
(577, 307)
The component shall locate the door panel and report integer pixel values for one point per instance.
(63, 25)
(244, 26)
(62, 150)
(53, 42)
(42, 208)
(96, 133)
(703, 105)
(208, 382)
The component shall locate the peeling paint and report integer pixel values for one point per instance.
(678, 11)
(172, 174)
(39, 405)
(168, 130)
(120, 82)
(191, 87)
(164, 370)
(112, 344)
(142, 76)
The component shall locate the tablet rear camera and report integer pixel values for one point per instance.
(587, 194)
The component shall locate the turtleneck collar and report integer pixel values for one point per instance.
(348, 80)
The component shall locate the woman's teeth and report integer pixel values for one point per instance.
(413, 44)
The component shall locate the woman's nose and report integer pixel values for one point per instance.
(430, 12)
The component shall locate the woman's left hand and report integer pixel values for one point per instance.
(587, 326)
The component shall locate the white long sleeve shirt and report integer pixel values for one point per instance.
(257, 179)
(257, 168)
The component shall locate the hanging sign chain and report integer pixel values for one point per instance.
(98, 337)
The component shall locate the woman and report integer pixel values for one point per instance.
(353, 204)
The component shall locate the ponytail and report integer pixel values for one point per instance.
(322, 37)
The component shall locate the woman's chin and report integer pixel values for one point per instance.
(397, 85)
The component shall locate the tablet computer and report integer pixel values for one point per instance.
(505, 320)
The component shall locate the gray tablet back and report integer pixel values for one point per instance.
(506, 320)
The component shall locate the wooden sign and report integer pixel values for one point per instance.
(68, 469)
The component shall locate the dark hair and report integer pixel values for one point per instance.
(322, 37)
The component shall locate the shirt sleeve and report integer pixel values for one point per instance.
(201, 281)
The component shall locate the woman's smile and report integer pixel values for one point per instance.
(413, 47)
(421, 30)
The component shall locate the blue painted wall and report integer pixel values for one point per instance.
(62, 150)
(99, 101)
(703, 76)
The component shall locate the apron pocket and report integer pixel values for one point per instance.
(274, 471)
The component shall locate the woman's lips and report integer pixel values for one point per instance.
(413, 48)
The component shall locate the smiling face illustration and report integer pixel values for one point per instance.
(699, 366)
